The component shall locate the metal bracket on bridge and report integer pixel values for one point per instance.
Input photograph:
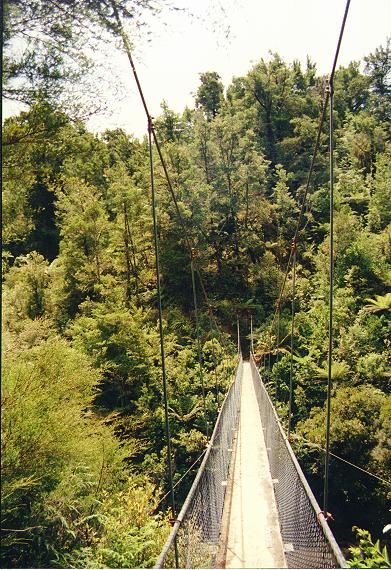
(328, 517)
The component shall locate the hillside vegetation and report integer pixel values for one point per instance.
(83, 443)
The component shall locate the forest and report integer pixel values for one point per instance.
(84, 474)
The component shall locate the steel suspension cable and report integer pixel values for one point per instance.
(292, 338)
(270, 349)
(187, 238)
(180, 480)
(161, 333)
(214, 356)
(238, 333)
(223, 344)
(320, 448)
(314, 155)
(331, 284)
(188, 241)
(278, 331)
(303, 204)
(199, 352)
(156, 140)
(313, 159)
(215, 374)
(277, 352)
(251, 335)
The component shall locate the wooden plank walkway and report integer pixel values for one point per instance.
(252, 533)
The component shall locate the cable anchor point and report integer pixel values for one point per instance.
(327, 517)
(150, 124)
(329, 87)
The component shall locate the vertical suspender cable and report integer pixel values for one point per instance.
(315, 152)
(210, 312)
(331, 284)
(215, 373)
(292, 337)
(277, 348)
(167, 424)
(201, 375)
(270, 350)
(251, 335)
(238, 331)
(278, 330)
(330, 354)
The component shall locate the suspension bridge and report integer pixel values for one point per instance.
(250, 505)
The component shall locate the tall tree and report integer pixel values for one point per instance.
(210, 94)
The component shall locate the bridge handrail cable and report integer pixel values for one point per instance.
(213, 472)
(309, 542)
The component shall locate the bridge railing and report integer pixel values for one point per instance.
(196, 532)
(308, 540)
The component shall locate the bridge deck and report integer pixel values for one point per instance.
(252, 534)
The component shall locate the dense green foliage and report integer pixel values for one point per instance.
(368, 554)
(83, 446)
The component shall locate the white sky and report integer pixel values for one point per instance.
(180, 47)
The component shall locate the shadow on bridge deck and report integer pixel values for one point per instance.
(250, 534)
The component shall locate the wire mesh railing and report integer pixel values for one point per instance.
(196, 532)
(307, 538)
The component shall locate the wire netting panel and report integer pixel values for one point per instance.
(308, 540)
(197, 530)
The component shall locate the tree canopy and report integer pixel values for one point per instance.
(83, 446)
